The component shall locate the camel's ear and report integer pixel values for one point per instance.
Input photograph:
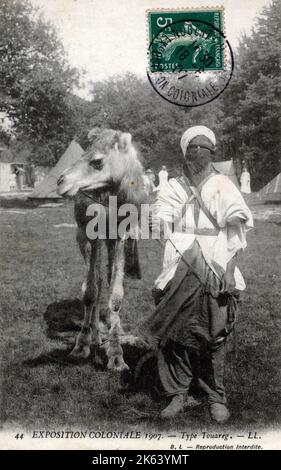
(124, 141)
(93, 133)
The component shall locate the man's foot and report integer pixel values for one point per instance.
(174, 408)
(219, 412)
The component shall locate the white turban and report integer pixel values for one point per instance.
(195, 131)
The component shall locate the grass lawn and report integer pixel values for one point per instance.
(41, 265)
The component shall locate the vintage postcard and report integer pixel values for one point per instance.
(140, 210)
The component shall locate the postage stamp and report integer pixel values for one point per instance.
(190, 60)
(186, 40)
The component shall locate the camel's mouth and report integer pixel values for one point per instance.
(67, 191)
(70, 190)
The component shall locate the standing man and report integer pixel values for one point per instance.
(196, 292)
(245, 181)
(163, 177)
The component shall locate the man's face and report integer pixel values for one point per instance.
(197, 158)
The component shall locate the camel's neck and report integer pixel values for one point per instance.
(86, 198)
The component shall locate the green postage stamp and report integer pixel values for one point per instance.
(186, 41)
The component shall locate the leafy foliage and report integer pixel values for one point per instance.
(130, 104)
(252, 104)
(36, 85)
(246, 117)
(35, 78)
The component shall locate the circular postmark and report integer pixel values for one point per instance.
(190, 62)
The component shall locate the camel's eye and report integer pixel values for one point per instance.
(96, 164)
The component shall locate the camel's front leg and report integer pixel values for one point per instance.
(90, 328)
(114, 349)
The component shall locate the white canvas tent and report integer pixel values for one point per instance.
(5, 176)
(272, 188)
(47, 188)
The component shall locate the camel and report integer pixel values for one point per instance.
(109, 167)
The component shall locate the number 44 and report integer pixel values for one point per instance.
(19, 436)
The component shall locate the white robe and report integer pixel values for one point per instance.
(225, 203)
(245, 182)
(163, 178)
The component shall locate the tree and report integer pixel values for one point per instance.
(252, 104)
(128, 103)
(35, 78)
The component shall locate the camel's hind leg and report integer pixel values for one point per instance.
(90, 328)
(114, 349)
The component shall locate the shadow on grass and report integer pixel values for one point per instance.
(24, 202)
(56, 356)
(63, 320)
(142, 375)
(63, 317)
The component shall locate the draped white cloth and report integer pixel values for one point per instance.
(225, 203)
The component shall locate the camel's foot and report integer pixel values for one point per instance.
(81, 349)
(115, 356)
(116, 362)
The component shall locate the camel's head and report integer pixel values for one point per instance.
(110, 161)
